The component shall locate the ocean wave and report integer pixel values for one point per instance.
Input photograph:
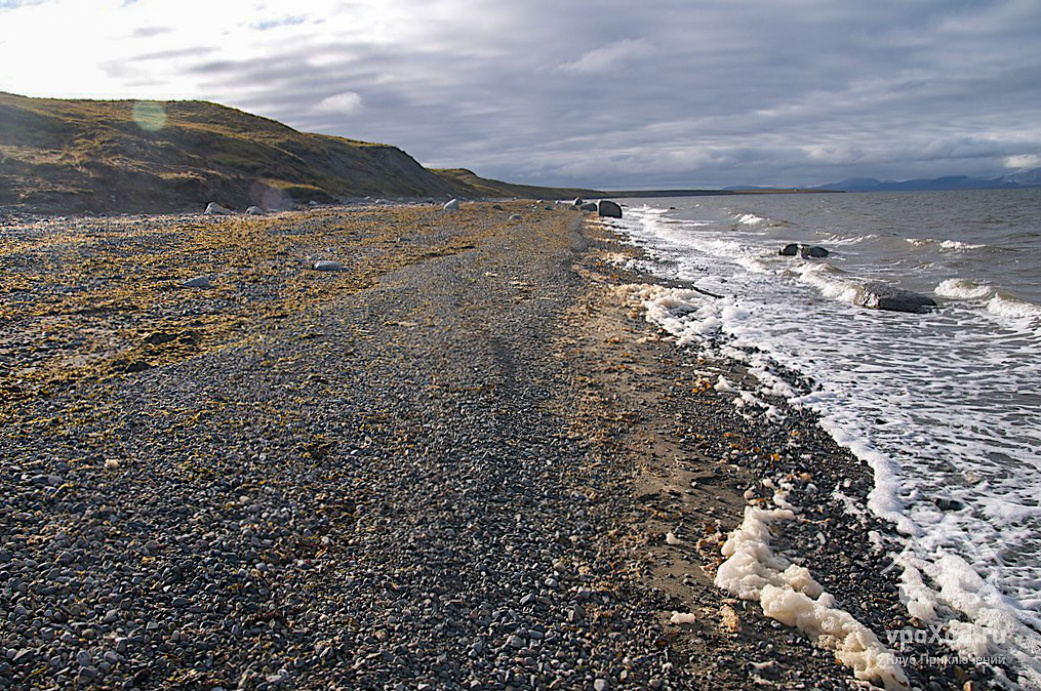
(749, 219)
(951, 245)
(994, 299)
(830, 281)
(963, 289)
(833, 239)
(1005, 304)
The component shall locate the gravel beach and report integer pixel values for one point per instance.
(447, 460)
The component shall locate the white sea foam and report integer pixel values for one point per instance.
(750, 219)
(963, 289)
(789, 593)
(1006, 305)
(954, 245)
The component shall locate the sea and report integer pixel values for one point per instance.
(944, 405)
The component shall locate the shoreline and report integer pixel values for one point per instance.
(453, 464)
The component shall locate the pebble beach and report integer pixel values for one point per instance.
(456, 457)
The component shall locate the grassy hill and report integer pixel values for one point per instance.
(114, 156)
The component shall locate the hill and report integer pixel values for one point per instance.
(71, 156)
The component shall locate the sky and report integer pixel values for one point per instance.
(611, 94)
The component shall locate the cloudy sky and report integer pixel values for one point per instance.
(607, 93)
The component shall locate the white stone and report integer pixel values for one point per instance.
(215, 209)
(198, 282)
(255, 211)
(452, 205)
(326, 265)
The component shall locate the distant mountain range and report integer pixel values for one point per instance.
(1023, 178)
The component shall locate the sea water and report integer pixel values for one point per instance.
(945, 406)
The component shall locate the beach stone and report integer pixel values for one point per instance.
(197, 282)
(882, 296)
(215, 209)
(813, 252)
(588, 206)
(789, 250)
(255, 211)
(578, 202)
(609, 209)
(452, 205)
(516, 217)
(326, 265)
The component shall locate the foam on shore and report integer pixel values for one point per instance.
(789, 593)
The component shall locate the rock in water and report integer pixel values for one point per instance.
(326, 265)
(813, 252)
(452, 205)
(789, 250)
(609, 209)
(215, 209)
(881, 296)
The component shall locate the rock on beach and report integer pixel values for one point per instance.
(215, 209)
(609, 209)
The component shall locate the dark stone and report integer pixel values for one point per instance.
(813, 252)
(588, 206)
(609, 209)
(159, 338)
(881, 296)
(789, 250)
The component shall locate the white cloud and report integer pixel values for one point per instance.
(607, 58)
(346, 103)
(1023, 161)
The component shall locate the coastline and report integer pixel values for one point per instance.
(452, 464)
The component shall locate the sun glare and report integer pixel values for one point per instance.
(149, 115)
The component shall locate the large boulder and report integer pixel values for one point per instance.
(814, 252)
(805, 251)
(609, 209)
(215, 209)
(588, 206)
(882, 296)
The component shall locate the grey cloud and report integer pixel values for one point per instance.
(711, 93)
(149, 31)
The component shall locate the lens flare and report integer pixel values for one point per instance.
(149, 115)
